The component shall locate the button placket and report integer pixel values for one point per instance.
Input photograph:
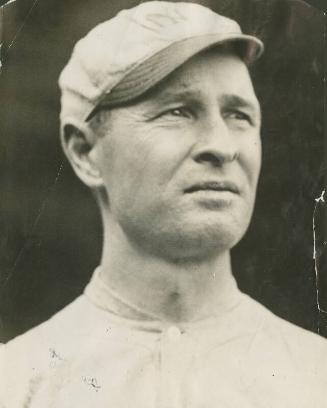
(173, 334)
(171, 368)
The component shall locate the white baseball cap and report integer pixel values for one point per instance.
(124, 57)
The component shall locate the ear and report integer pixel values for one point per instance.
(78, 144)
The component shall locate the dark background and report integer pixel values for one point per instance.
(50, 229)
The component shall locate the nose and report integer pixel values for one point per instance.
(216, 143)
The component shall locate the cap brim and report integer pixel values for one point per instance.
(151, 71)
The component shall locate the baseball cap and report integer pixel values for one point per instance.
(124, 57)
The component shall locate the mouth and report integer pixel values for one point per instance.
(218, 186)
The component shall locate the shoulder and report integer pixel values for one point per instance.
(279, 332)
(27, 359)
(57, 329)
(284, 354)
(277, 327)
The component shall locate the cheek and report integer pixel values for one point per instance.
(153, 159)
(130, 170)
(138, 162)
(251, 156)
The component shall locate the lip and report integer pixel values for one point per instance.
(221, 186)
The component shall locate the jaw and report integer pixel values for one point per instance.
(190, 241)
(182, 226)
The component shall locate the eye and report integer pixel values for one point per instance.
(237, 115)
(181, 112)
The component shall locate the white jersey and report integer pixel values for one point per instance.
(89, 356)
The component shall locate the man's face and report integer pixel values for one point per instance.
(181, 166)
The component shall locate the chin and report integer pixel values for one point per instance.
(216, 237)
(188, 234)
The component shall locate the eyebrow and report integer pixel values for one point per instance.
(161, 96)
(233, 101)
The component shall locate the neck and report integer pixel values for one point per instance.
(180, 291)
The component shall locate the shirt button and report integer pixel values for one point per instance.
(173, 333)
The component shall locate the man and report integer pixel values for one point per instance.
(160, 119)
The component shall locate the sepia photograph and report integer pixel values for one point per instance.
(163, 204)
